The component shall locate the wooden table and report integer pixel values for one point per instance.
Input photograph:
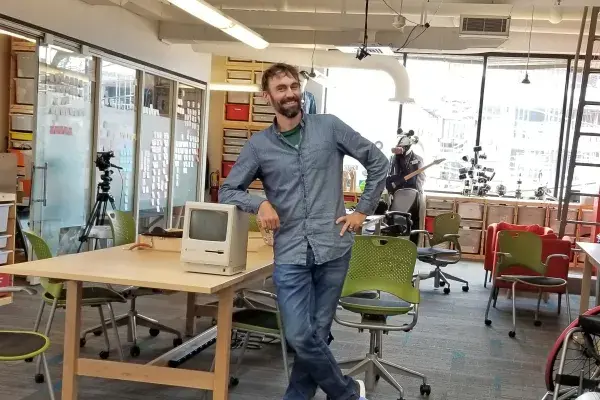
(153, 269)
(592, 259)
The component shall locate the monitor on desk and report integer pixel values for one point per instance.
(215, 238)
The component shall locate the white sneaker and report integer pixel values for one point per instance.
(361, 389)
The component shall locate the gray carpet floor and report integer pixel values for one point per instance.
(462, 358)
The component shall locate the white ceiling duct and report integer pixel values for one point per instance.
(322, 59)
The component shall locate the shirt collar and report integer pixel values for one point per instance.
(275, 127)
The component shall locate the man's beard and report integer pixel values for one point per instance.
(289, 111)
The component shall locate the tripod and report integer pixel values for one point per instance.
(103, 197)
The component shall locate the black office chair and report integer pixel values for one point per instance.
(403, 214)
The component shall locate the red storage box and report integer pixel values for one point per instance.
(237, 112)
(226, 168)
(5, 281)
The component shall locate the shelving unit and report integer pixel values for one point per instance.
(477, 213)
(8, 217)
(22, 92)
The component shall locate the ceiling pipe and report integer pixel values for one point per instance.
(322, 59)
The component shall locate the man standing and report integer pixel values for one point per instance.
(299, 160)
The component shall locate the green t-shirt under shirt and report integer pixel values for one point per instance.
(293, 136)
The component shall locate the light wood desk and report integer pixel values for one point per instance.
(592, 259)
(153, 269)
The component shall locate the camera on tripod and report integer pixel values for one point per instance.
(103, 160)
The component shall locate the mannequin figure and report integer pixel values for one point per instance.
(407, 195)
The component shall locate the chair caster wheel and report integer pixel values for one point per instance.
(97, 333)
(213, 322)
(154, 332)
(465, 288)
(446, 290)
(425, 390)
(82, 342)
(134, 351)
(377, 378)
(512, 334)
(29, 360)
(537, 323)
(233, 381)
(442, 284)
(39, 378)
(177, 342)
(103, 354)
(488, 322)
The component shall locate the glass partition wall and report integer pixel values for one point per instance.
(147, 126)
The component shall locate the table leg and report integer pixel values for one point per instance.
(190, 315)
(71, 349)
(586, 283)
(221, 380)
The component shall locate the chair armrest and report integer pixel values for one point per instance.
(561, 256)
(17, 289)
(424, 232)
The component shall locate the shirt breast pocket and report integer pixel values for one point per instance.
(319, 156)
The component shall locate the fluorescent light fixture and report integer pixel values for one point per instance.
(234, 87)
(212, 16)
(9, 33)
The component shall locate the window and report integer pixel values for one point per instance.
(446, 92)
(520, 126)
(155, 148)
(360, 98)
(116, 132)
(186, 162)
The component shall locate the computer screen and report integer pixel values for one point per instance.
(208, 225)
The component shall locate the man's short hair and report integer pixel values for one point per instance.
(278, 69)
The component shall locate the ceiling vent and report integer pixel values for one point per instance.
(485, 27)
(374, 50)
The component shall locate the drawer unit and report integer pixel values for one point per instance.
(262, 118)
(263, 109)
(25, 91)
(5, 281)
(471, 223)
(260, 101)
(435, 213)
(27, 64)
(21, 122)
(230, 157)
(258, 77)
(588, 216)
(470, 240)
(237, 112)
(243, 75)
(238, 61)
(238, 97)
(440, 204)
(232, 149)
(239, 81)
(235, 133)
(226, 168)
(531, 216)
(496, 213)
(234, 141)
(470, 210)
(555, 225)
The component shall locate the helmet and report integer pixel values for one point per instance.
(405, 141)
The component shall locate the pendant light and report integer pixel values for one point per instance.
(526, 80)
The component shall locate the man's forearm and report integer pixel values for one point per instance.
(376, 175)
(243, 200)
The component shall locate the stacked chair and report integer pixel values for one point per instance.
(519, 267)
(385, 265)
(123, 228)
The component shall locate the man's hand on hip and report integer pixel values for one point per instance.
(352, 222)
(268, 216)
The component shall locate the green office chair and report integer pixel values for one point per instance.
(523, 249)
(445, 231)
(25, 345)
(383, 264)
(55, 295)
(123, 228)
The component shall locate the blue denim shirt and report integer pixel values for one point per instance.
(304, 185)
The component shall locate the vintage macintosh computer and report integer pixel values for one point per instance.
(215, 239)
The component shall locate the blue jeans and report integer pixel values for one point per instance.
(308, 296)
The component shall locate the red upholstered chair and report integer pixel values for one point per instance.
(490, 242)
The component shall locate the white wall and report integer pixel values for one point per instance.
(112, 28)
